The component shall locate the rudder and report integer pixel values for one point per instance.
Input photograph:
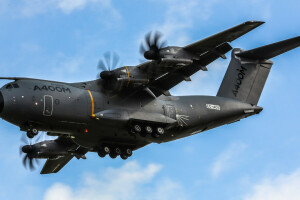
(248, 71)
(244, 79)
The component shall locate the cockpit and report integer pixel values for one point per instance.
(11, 86)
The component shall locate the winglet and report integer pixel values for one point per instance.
(271, 50)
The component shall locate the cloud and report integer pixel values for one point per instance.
(226, 159)
(130, 181)
(29, 8)
(179, 17)
(282, 187)
(67, 6)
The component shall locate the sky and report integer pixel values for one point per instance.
(255, 159)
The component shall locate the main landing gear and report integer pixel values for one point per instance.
(147, 129)
(114, 151)
(31, 132)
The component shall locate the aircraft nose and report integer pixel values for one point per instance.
(1, 102)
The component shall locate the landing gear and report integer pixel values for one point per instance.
(114, 151)
(137, 128)
(126, 153)
(160, 131)
(147, 129)
(32, 132)
(102, 152)
(123, 156)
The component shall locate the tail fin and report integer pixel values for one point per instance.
(248, 71)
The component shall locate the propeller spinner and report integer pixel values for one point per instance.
(150, 49)
(30, 153)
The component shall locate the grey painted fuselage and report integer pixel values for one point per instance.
(65, 109)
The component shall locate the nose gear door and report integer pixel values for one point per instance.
(170, 111)
(48, 105)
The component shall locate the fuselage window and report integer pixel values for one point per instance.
(15, 85)
(9, 86)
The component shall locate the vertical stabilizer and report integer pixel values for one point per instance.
(248, 71)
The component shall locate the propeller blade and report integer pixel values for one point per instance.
(31, 166)
(148, 39)
(115, 62)
(102, 66)
(107, 57)
(157, 36)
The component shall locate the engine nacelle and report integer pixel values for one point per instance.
(123, 78)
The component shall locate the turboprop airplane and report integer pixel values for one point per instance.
(129, 107)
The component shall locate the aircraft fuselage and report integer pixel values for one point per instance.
(64, 109)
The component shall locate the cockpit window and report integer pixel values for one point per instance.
(15, 85)
(9, 86)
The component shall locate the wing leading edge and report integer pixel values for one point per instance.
(225, 36)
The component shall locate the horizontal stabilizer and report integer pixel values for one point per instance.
(271, 50)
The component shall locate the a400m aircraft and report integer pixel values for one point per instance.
(130, 107)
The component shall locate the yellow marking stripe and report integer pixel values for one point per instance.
(128, 76)
(93, 105)
(56, 167)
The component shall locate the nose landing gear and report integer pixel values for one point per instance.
(31, 132)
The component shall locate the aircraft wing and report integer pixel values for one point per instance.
(164, 83)
(54, 166)
(207, 51)
(225, 36)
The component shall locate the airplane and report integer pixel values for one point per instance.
(129, 107)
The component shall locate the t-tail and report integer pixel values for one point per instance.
(248, 70)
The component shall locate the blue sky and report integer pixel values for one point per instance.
(257, 158)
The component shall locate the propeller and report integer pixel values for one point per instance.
(150, 49)
(107, 64)
(30, 151)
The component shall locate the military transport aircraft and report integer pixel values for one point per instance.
(130, 107)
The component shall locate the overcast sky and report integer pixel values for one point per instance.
(255, 159)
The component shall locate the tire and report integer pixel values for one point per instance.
(29, 134)
(123, 156)
(117, 151)
(101, 154)
(149, 129)
(106, 149)
(137, 128)
(160, 130)
(128, 152)
(34, 131)
(112, 155)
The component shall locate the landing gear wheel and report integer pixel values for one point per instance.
(29, 134)
(137, 128)
(124, 157)
(34, 131)
(160, 130)
(101, 154)
(127, 152)
(149, 129)
(117, 151)
(103, 151)
(112, 155)
(106, 150)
